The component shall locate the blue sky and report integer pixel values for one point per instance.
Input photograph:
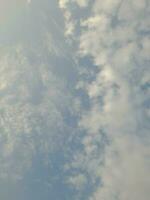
(75, 100)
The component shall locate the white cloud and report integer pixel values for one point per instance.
(115, 35)
(125, 174)
(63, 3)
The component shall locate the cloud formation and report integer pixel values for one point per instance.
(115, 34)
(31, 112)
(74, 96)
(32, 88)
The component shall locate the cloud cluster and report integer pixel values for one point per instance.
(116, 35)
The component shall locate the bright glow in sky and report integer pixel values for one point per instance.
(74, 100)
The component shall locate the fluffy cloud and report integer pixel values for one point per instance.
(116, 36)
(124, 175)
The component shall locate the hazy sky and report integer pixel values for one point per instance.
(74, 100)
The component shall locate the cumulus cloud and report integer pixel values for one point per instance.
(116, 36)
(124, 175)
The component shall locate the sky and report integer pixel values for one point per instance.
(74, 100)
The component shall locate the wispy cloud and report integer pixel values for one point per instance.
(31, 114)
